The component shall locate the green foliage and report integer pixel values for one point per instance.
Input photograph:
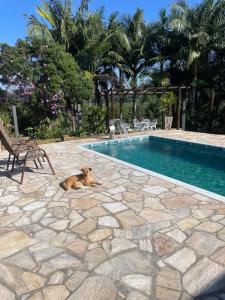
(59, 64)
(5, 118)
(166, 101)
(45, 79)
(51, 129)
(93, 119)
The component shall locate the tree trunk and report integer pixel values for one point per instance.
(134, 106)
(97, 94)
(194, 90)
(184, 112)
(178, 107)
(112, 105)
(210, 112)
(121, 98)
(72, 118)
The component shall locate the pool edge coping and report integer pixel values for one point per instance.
(152, 173)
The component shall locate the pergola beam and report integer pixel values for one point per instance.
(146, 91)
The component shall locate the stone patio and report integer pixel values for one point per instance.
(135, 237)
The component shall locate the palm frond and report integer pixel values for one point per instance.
(193, 56)
(45, 15)
(37, 29)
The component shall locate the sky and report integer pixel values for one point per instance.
(13, 21)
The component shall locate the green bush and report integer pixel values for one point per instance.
(51, 128)
(93, 119)
(5, 118)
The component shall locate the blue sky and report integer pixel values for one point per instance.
(13, 22)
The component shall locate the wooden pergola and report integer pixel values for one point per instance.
(179, 90)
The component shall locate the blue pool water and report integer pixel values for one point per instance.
(196, 164)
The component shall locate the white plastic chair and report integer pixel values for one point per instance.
(153, 124)
(137, 125)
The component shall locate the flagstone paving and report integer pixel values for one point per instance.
(135, 237)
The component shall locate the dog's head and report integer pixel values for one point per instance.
(86, 171)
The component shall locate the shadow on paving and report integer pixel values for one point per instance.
(18, 170)
(214, 291)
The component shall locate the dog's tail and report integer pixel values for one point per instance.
(64, 186)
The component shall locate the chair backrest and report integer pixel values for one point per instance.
(6, 140)
(121, 127)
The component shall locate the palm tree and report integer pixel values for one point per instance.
(197, 24)
(134, 61)
(57, 23)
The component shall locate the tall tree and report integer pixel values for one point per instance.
(134, 59)
(57, 21)
(197, 25)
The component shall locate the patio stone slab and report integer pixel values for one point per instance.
(115, 207)
(209, 226)
(129, 219)
(177, 235)
(78, 247)
(75, 280)
(139, 282)
(95, 288)
(155, 190)
(18, 280)
(83, 203)
(22, 260)
(145, 245)
(6, 294)
(135, 295)
(135, 237)
(182, 259)
(100, 234)
(108, 221)
(219, 256)
(204, 243)
(123, 264)
(188, 223)
(169, 278)
(179, 201)
(120, 244)
(56, 292)
(166, 294)
(14, 241)
(94, 257)
(163, 244)
(205, 277)
(85, 227)
(60, 262)
(95, 212)
(155, 216)
(57, 278)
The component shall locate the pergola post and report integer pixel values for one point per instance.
(121, 107)
(178, 107)
(106, 94)
(112, 104)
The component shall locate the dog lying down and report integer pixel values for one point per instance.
(77, 181)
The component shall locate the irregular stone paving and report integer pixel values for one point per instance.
(135, 237)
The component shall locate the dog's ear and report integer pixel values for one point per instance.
(90, 169)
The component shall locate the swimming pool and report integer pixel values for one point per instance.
(196, 164)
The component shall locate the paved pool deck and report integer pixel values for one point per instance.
(135, 237)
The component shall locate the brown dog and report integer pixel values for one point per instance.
(76, 181)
